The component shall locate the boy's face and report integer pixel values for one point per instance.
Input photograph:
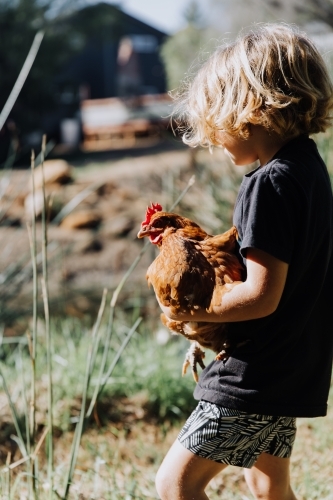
(241, 151)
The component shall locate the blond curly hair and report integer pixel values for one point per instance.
(273, 76)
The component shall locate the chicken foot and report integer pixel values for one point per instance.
(193, 357)
(200, 336)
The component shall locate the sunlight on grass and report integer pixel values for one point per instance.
(145, 400)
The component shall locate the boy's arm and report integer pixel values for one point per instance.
(256, 297)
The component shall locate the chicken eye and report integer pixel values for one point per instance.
(163, 222)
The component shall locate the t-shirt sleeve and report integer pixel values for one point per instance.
(269, 215)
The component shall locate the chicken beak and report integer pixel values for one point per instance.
(144, 231)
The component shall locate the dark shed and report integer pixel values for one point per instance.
(118, 55)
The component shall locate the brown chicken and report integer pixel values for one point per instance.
(189, 274)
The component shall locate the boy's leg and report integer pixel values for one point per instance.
(269, 478)
(184, 476)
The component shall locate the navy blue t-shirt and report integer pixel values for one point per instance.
(285, 209)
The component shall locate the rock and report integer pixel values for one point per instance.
(10, 221)
(39, 203)
(106, 189)
(75, 243)
(120, 225)
(53, 201)
(83, 219)
(78, 306)
(71, 310)
(55, 171)
(10, 214)
(95, 245)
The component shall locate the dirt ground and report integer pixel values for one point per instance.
(82, 261)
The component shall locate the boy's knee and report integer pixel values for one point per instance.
(273, 495)
(269, 478)
(170, 487)
(266, 491)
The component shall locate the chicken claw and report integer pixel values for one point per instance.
(194, 356)
(223, 354)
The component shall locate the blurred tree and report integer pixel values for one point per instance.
(233, 15)
(65, 35)
(226, 17)
(181, 51)
(321, 10)
(19, 22)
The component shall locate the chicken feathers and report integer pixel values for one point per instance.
(189, 274)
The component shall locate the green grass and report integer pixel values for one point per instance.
(144, 405)
(145, 400)
(324, 143)
(144, 366)
(145, 389)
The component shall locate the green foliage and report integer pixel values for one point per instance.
(316, 9)
(145, 367)
(65, 35)
(179, 53)
(192, 14)
(19, 22)
(106, 22)
(184, 50)
(324, 143)
(155, 370)
(229, 16)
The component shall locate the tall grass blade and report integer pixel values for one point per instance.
(103, 362)
(19, 444)
(15, 464)
(7, 165)
(14, 414)
(79, 428)
(10, 466)
(119, 353)
(50, 451)
(40, 442)
(76, 201)
(21, 78)
(103, 379)
(9, 456)
(33, 248)
(5, 178)
(50, 386)
(114, 299)
(145, 246)
(25, 401)
(13, 340)
(183, 193)
(33, 342)
(18, 485)
(43, 154)
(96, 335)
(20, 370)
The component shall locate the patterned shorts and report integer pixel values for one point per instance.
(234, 437)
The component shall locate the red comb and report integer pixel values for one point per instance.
(155, 207)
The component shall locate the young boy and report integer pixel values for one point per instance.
(260, 98)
